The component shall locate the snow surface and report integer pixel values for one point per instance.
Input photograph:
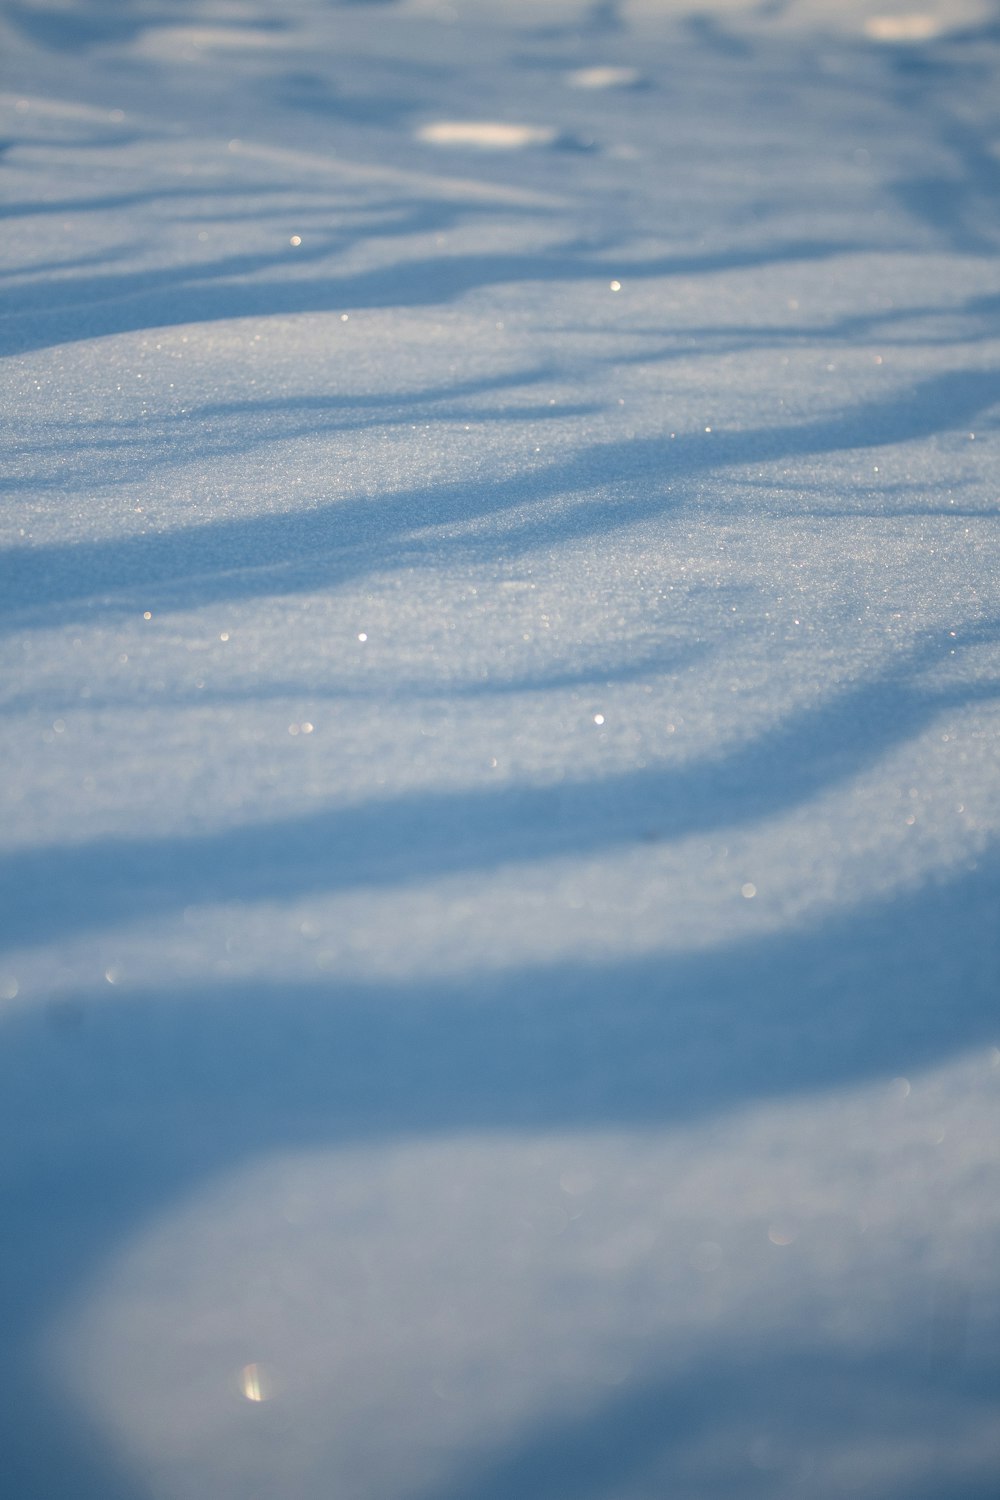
(500, 992)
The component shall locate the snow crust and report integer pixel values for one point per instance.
(500, 986)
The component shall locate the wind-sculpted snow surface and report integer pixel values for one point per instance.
(499, 592)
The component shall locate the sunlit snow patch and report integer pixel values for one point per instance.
(912, 28)
(602, 78)
(486, 135)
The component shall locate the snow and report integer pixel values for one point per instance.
(501, 615)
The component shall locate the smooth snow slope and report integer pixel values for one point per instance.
(501, 653)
